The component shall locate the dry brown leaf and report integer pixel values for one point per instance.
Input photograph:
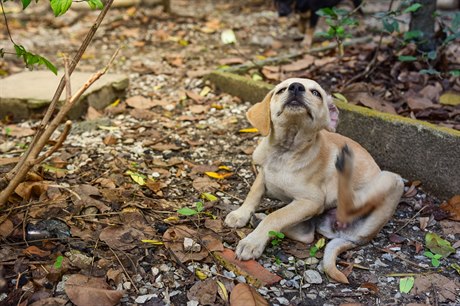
(301, 64)
(205, 184)
(424, 222)
(86, 197)
(452, 207)
(375, 103)
(33, 250)
(371, 286)
(124, 237)
(194, 96)
(419, 103)
(110, 140)
(231, 61)
(204, 292)
(83, 291)
(140, 102)
(105, 182)
(17, 131)
(26, 189)
(165, 146)
(272, 72)
(115, 275)
(446, 288)
(6, 228)
(245, 295)
(92, 113)
(324, 61)
(199, 109)
(214, 225)
(51, 301)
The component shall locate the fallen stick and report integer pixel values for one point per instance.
(286, 58)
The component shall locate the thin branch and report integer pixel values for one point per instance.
(9, 176)
(123, 267)
(6, 24)
(58, 144)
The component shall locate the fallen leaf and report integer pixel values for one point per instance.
(249, 130)
(216, 225)
(194, 96)
(205, 184)
(419, 103)
(198, 109)
(452, 207)
(26, 189)
(437, 245)
(17, 131)
(222, 291)
(450, 98)
(137, 177)
(33, 250)
(51, 301)
(204, 292)
(406, 284)
(83, 290)
(140, 102)
(219, 176)
(371, 286)
(254, 273)
(6, 228)
(200, 274)
(245, 295)
(446, 288)
(423, 222)
(395, 238)
(301, 64)
(123, 237)
(92, 113)
(231, 61)
(110, 139)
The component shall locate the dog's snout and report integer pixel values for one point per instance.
(296, 88)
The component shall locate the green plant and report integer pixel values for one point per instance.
(434, 258)
(318, 245)
(185, 211)
(340, 21)
(31, 59)
(277, 237)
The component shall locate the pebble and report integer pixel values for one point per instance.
(283, 300)
(387, 256)
(191, 246)
(155, 271)
(143, 290)
(287, 274)
(229, 274)
(164, 268)
(312, 296)
(141, 299)
(127, 285)
(312, 277)
(312, 261)
(192, 303)
(241, 279)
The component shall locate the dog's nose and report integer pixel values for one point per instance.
(296, 88)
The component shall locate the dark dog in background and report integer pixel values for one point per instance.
(307, 11)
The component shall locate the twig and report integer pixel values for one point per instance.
(6, 24)
(41, 129)
(410, 220)
(285, 58)
(400, 257)
(123, 267)
(31, 159)
(58, 144)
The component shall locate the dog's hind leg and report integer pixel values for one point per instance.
(303, 232)
(383, 190)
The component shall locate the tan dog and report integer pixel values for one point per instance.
(314, 170)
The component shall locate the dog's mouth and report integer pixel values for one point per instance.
(295, 103)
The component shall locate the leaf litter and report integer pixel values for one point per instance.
(92, 226)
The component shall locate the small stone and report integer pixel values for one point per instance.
(387, 256)
(311, 261)
(164, 268)
(229, 274)
(144, 298)
(311, 296)
(312, 277)
(155, 271)
(191, 246)
(143, 290)
(241, 279)
(300, 264)
(192, 303)
(287, 274)
(127, 285)
(283, 300)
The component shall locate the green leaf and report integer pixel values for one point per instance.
(58, 262)
(208, 196)
(340, 97)
(95, 4)
(257, 77)
(59, 7)
(437, 245)
(406, 58)
(137, 177)
(320, 243)
(455, 73)
(428, 254)
(25, 3)
(339, 12)
(413, 8)
(48, 65)
(430, 71)
(406, 284)
(276, 234)
(327, 11)
(435, 262)
(456, 267)
(199, 206)
(313, 251)
(187, 211)
(432, 55)
(410, 35)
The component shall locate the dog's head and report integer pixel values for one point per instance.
(294, 103)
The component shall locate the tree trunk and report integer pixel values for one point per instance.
(423, 20)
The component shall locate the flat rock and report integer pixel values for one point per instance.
(27, 93)
(312, 277)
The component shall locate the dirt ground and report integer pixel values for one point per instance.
(174, 141)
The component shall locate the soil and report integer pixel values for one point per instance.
(123, 173)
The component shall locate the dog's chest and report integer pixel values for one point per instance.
(283, 180)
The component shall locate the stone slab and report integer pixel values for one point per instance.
(416, 150)
(26, 93)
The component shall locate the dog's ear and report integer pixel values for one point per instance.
(259, 115)
(333, 115)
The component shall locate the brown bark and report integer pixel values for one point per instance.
(424, 20)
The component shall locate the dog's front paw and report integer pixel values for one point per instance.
(237, 218)
(250, 247)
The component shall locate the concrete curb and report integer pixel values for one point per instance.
(417, 150)
(30, 92)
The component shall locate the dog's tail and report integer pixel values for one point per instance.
(333, 249)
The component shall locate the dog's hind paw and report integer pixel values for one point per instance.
(344, 159)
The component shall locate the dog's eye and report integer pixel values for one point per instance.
(281, 90)
(315, 93)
